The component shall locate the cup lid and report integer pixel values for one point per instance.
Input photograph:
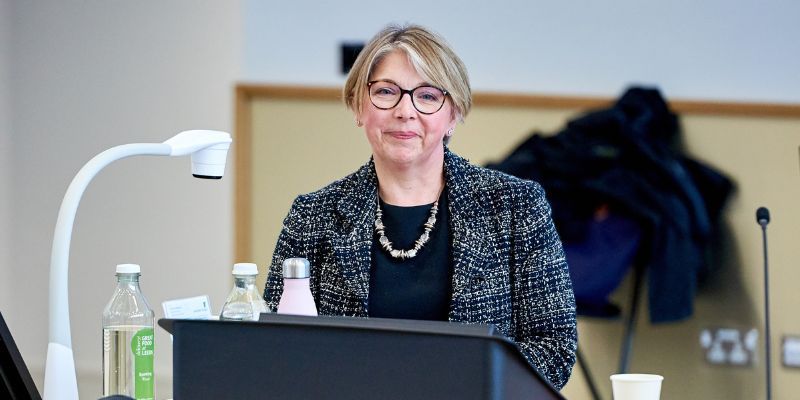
(636, 377)
(296, 268)
(245, 269)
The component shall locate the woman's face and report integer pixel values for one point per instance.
(402, 135)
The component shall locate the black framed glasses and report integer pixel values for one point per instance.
(386, 95)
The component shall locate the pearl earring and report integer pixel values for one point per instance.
(449, 132)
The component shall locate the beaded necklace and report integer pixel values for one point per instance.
(387, 244)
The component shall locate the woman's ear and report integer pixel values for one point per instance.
(357, 116)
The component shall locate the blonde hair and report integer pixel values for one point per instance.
(430, 55)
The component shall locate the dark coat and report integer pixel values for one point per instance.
(628, 158)
(508, 264)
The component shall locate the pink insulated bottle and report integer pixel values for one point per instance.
(296, 298)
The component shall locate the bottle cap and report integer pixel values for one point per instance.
(296, 268)
(129, 269)
(245, 269)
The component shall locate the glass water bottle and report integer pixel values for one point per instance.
(128, 350)
(244, 303)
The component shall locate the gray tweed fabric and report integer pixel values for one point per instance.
(509, 266)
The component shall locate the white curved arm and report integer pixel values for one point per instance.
(60, 380)
(59, 259)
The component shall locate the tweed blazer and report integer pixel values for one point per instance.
(509, 267)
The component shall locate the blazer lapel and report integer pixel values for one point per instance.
(352, 242)
(469, 219)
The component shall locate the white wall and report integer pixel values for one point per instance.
(714, 49)
(89, 75)
(5, 155)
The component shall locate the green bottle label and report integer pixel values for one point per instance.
(142, 347)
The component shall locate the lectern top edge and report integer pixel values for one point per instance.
(374, 324)
(323, 328)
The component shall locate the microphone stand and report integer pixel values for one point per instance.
(762, 217)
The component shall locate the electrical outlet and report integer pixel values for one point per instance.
(729, 346)
(791, 351)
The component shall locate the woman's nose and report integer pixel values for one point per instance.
(405, 108)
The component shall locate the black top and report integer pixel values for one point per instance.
(419, 287)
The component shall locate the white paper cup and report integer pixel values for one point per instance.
(636, 386)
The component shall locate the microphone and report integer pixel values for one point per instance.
(762, 217)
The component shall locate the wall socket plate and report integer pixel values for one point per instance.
(791, 351)
(730, 346)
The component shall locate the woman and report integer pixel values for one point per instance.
(418, 232)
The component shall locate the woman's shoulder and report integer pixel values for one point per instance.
(500, 192)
